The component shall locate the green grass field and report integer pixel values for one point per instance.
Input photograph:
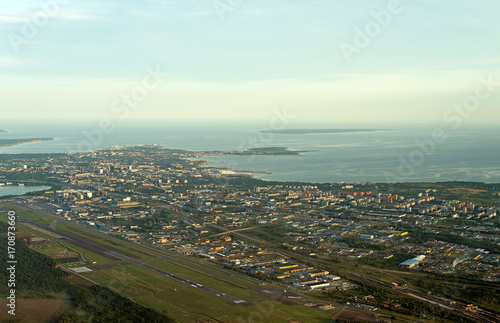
(25, 214)
(52, 250)
(207, 280)
(87, 255)
(69, 229)
(186, 303)
(102, 240)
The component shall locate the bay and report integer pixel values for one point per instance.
(403, 152)
(21, 190)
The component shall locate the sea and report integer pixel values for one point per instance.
(394, 153)
(21, 190)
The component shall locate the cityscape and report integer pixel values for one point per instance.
(232, 161)
(167, 211)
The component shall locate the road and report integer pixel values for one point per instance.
(267, 292)
(479, 314)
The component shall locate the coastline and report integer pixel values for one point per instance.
(15, 142)
(204, 163)
(347, 157)
(263, 151)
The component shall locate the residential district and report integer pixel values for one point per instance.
(294, 235)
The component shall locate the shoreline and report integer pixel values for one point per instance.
(212, 157)
(262, 151)
(16, 142)
(204, 163)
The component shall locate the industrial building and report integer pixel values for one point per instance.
(412, 262)
(318, 285)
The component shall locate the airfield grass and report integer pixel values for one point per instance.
(157, 291)
(26, 214)
(200, 263)
(239, 291)
(101, 260)
(186, 303)
(215, 268)
(207, 280)
(274, 311)
(69, 229)
(51, 249)
(87, 255)
(102, 240)
(165, 306)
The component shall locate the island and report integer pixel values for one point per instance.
(318, 131)
(3, 130)
(261, 151)
(13, 142)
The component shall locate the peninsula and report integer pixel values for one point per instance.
(13, 142)
(263, 151)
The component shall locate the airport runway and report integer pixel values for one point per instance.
(138, 262)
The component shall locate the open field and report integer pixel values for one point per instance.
(168, 296)
(43, 231)
(55, 250)
(84, 253)
(89, 244)
(202, 269)
(34, 310)
(353, 315)
(200, 264)
(207, 280)
(180, 299)
(110, 244)
(184, 303)
(25, 214)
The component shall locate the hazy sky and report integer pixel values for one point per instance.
(235, 59)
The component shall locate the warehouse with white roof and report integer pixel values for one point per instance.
(412, 262)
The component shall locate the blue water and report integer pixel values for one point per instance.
(469, 153)
(20, 190)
